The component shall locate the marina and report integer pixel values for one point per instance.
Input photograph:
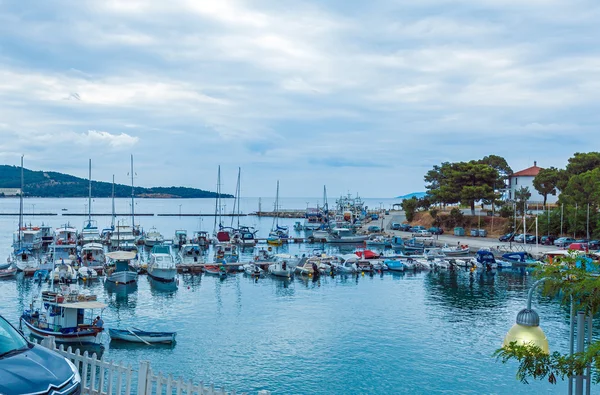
(368, 313)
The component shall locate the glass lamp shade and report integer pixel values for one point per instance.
(527, 335)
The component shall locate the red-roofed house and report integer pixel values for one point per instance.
(524, 178)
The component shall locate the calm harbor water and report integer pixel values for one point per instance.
(389, 333)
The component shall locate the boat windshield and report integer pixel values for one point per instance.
(10, 340)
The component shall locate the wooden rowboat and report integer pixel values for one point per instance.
(139, 336)
(5, 273)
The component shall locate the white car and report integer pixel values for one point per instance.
(422, 233)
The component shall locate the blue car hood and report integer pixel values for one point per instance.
(34, 370)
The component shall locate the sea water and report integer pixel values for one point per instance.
(418, 333)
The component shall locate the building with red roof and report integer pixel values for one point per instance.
(524, 178)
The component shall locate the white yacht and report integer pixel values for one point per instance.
(190, 254)
(161, 266)
(89, 233)
(284, 265)
(123, 234)
(153, 237)
(343, 235)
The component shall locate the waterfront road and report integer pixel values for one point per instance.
(474, 242)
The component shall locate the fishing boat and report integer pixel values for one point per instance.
(93, 255)
(135, 335)
(28, 237)
(63, 315)
(8, 272)
(344, 235)
(47, 235)
(66, 235)
(284, 265)
(227, 252)
(378, 241)
(161, 266)
(153, 237)
(459, 250)
(119, 271)
(24, 259)
(313, 219)
(244, 237)
(263, 255)
(190, 254)
(202, 238)
(216, 270)
(121, 236)
(253, 270)
(180, 237)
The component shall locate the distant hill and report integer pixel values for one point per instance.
(53, 184)
(418, 195)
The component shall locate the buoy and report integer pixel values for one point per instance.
(363, 273)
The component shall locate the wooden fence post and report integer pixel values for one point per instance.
(143, 378)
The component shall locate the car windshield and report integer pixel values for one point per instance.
(10, 339)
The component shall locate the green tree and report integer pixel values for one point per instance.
(545, 182)
(578, 164)
(410, 208)
(573, 279)
(522, 195)
(464, 182)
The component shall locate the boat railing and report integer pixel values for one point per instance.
(99, 376)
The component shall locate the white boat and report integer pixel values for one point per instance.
(459, 250)
(343, 235)
(66, 234)
(86, 273)
(227, 252)
(180, 237)
(253, 270)
(90, 233)
(348, 264)
(28, 237)
(190, 254)
(264, 255)
(63, 315)
(24, 259)
(63, 273)
(379, 241)
(153, 237)
(244, 238)
(161, 266)
(92, 254)
(284, 266)
(8, 272)
(118, 271)
(139, 336)
(122, 235)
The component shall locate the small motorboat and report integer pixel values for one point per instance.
(6, 273)
(216, 270)
(253, 270)
(136, 335)
(395, 265)
(86, 273)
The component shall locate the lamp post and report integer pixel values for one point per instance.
(527, 328)
(180, 211)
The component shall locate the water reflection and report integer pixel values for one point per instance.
(158, 287)
(120, 295)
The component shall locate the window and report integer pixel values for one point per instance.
(516, 181)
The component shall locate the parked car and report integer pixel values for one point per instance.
(594, 244)
(531, 239)
(417, 228)
(49, 372)
(373, 229)
(396, 226)
(422, 233)
(374, 217)
(519, 238)
(436, 231)
(563, 241)
(405, 227)
(547, 240)
(507, 237)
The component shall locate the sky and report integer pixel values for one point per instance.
(360, 96)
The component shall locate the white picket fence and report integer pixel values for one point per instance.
(100, 377)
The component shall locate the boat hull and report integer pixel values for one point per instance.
(86, 336)
(141, 336)
(122, 277)
(162, 275)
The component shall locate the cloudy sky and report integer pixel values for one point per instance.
(361, 96)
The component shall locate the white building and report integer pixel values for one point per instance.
(524, 178)
(10, 191)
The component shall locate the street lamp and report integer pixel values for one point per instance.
(180, 211)
(527, 328)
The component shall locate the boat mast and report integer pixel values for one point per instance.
(132, 197)
(90, 194)
(239, 187)
(217, 205)
(21, 205)
(236, 200)
(277, 207)
(112, 222)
